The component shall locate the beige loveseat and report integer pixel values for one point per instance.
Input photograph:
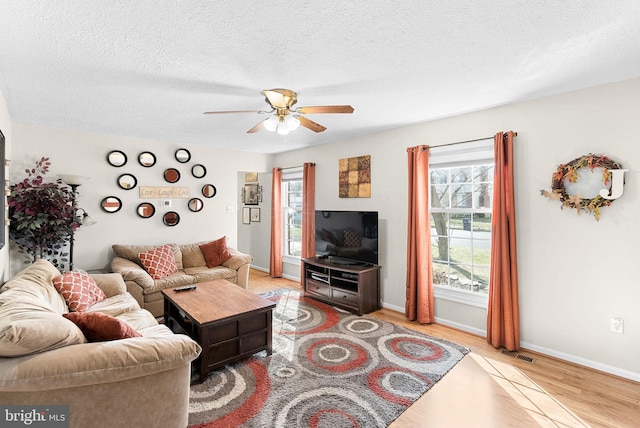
(46, 359)
(192, 269)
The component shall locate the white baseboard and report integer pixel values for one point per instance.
(441, 321)
(393, 307)
(582, 361)
(262, 269)
(462, 327)
(539, 349)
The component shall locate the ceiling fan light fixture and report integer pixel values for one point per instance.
(271, 124)
(282, 128)
(284, 117)
(292, 122)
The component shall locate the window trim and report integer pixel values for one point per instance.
(286, 258)
(460, 155)
(293, 174)
(461, 296)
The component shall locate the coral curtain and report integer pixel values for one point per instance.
(419, 281)
(308, 209)
(275, 263)
(503, 317)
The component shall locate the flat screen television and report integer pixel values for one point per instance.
(347, 237)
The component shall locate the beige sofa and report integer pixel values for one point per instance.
(46, 360)
(192, 269)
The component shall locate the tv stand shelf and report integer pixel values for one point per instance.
(355, 288)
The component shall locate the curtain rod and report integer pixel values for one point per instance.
(294, 167)
(515, 134)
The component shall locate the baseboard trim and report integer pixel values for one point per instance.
(442, 321)
(627, 374)
(392, 307)
(462, 327)
(570, 358)
(290, 277)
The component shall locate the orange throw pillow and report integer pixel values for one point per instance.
(215, 252)
(99, 327)
(159, 262)
(79, 290)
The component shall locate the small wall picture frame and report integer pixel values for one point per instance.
(251, 177)
(250, 194)
(255, 215)
(246, 215)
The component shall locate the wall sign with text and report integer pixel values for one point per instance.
(164, 192)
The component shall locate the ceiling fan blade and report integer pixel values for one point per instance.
(310, 124)
(232, 111)
(256, 128)
(325, 109)
(276, 99)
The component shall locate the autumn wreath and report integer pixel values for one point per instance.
(569, 172)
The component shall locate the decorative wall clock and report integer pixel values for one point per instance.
(587, 183)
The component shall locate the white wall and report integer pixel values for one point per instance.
(85, 153)
(5, 127)
(253, 236)
(575, 273)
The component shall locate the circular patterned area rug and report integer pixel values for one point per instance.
(329, 368)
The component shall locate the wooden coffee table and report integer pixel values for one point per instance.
(228, 322)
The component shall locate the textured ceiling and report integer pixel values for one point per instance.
(150, 68)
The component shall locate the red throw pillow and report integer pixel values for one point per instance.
(328, 236)
(79, 290)
(159, 262)
(215, 252)
(99, 327)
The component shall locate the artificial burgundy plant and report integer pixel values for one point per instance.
(42, 216)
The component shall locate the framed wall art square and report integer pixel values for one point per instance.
(250, 196)
(246, 215)
(255, 215)
(354, 177)
(251, 177)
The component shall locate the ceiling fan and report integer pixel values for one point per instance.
(285, 117)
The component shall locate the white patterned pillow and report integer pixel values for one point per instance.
(159, 262)
(79, 290)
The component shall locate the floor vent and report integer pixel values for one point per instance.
(514, 354)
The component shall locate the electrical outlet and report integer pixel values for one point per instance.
(617, 325)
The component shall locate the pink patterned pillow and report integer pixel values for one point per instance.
(159, 262)
(79, 290)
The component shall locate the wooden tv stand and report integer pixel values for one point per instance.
(355, 288)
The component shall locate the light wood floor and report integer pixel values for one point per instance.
(490, 389)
